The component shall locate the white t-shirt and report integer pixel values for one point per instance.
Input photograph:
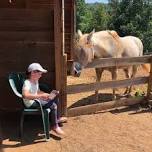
(33, 88)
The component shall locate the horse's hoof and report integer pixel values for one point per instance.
(128, 95)
(126, 92)
(123, 95)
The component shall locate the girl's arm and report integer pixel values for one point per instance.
(40, 95)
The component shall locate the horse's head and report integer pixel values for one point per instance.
(83, 53)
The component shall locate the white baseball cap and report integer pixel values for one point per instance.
(36, 66)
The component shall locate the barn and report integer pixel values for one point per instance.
(35, 31)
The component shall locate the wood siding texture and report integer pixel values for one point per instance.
(26, 36)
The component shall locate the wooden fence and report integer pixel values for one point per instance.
(112, 62)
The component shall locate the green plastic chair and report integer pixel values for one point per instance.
(16, 81)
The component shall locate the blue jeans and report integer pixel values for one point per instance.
(52, 104)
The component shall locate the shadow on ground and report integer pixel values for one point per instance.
(103, 97)
(106, 97)
(33, 131)
(133, 109)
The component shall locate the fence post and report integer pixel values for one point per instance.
(149, 89)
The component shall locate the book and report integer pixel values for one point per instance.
(53, 94)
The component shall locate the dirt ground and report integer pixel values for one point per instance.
(125, 129)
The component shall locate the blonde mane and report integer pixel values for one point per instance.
(116, 38)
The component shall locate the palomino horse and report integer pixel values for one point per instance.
(106, 44)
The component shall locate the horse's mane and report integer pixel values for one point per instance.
(114, 34)
(116, 38)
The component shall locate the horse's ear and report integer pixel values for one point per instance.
(79, 33)
(90, 35)
(76, 39)
(93, 31)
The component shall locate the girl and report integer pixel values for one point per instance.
(32, 93)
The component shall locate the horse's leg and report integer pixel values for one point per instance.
(134, 71)
(114, 77)
(98, 77)
(128, 75)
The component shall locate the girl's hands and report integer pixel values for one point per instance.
(47, 96)
(53, 94)
(44, 96)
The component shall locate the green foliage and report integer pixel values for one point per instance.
(139, 93)
(91, 16)
(133, 17)
(81, 13)
(99, 17)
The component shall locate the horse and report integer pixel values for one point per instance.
(106, 44)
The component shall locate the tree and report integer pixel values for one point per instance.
(99, 17)
(133, 17)
(91, 16)
(82, 15)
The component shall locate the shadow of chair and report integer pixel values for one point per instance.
(16, 81)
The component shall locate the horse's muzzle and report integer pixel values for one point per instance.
(76, 69)
(77, 73)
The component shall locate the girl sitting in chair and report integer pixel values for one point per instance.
(32, 94)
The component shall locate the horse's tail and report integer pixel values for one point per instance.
(139, 44)
(146, 67)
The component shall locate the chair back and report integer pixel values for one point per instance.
(16, 81)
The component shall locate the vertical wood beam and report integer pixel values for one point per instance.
(58, 35)
(60, 57)
(73, 27)
(149, 88)
(64, 85)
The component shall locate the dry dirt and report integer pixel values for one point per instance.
(127, 129)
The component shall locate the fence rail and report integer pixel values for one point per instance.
(119, 62)
(109, 62)
(106, 63)
(71, 89)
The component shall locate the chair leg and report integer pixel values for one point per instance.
(21, 125)
(46, 123)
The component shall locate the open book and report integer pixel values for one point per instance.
(53, 94)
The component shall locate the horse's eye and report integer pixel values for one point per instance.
(87, 42)
(88, 45)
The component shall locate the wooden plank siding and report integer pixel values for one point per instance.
(29, 14)
(27, 34)
(14, 4)
(69, 27)
(43, 4)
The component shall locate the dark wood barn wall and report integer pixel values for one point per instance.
(26, 36)
(69, 27)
